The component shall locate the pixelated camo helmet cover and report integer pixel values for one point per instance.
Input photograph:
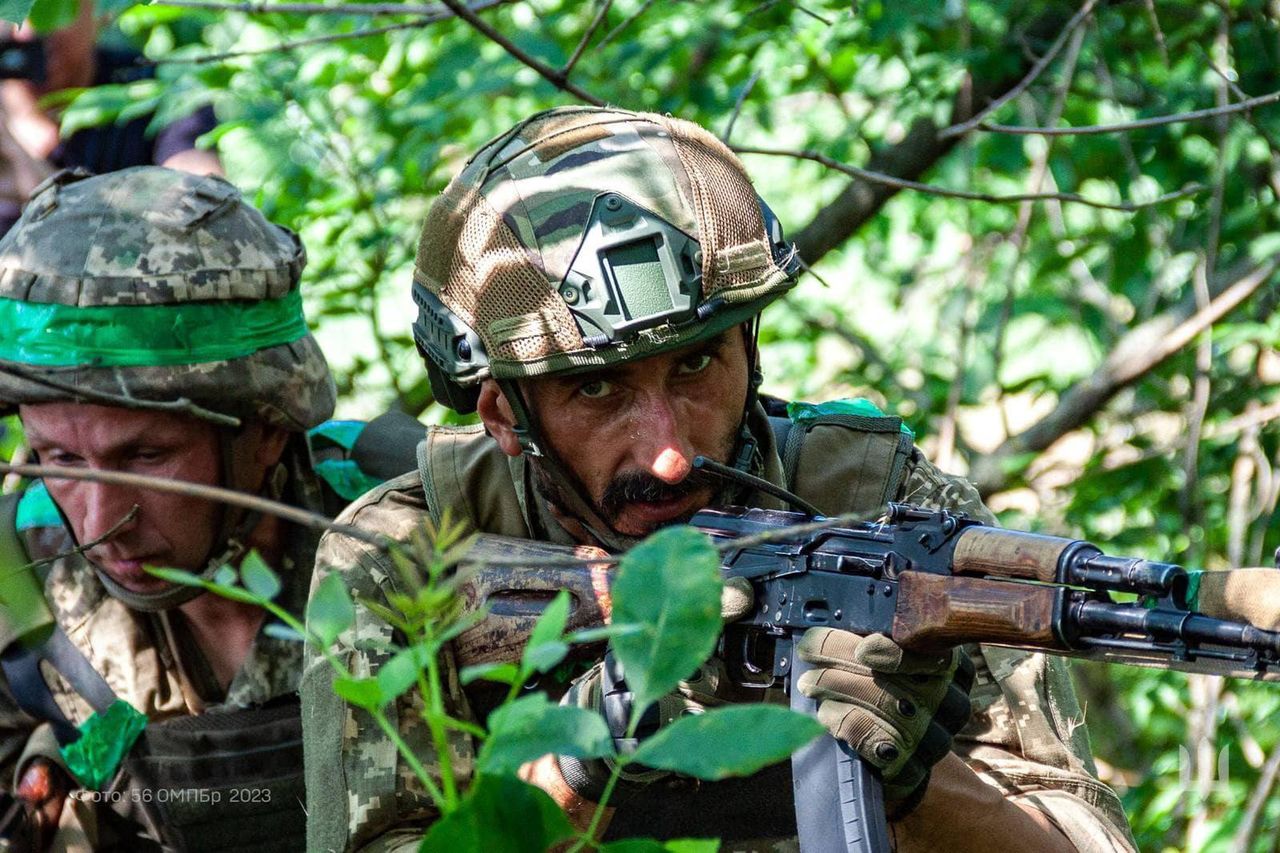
(158, 285)
(584, 237)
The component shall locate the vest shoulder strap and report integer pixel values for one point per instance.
(466, 474)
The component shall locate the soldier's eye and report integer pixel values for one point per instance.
(596, 389)
(695, 363)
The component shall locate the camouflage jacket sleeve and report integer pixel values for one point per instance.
(361, 794)
(1027, 736)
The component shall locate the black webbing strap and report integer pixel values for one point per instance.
(26, 681)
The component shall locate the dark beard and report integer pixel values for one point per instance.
(624, 489)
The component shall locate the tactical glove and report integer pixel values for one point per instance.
(898, 710)
(603, 689)
(1239, 595)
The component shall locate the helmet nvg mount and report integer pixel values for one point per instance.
(159, 286)
(586, 237)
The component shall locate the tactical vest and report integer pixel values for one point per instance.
(220, 782)
(843, 457)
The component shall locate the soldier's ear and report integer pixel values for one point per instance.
(499, 421)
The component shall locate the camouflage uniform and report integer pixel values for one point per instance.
(1027, 736)
(580, 239)
(147, 659)
(161, 287)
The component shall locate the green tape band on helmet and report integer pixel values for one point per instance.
(55, 335)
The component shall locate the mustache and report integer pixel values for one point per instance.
(641, 486)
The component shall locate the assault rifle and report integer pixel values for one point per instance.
(930, 579)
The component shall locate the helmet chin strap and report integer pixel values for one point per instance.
(581, 508)
(229, 545)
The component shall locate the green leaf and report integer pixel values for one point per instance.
(711, 746)
(258, 577)
(362, 692)
(649, 845)
(49, 15)
(178, 576)
(503, 672)
(282, 632)
(669, 585)
(546, 646)
(531, 727)
(400, 673)
(15, 11)
(330, 611)
(500, 814)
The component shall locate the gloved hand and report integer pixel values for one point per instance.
(898, 710)
(603, 689)
(1239, 595)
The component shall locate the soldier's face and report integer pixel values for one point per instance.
(168, 529)
(629, 434)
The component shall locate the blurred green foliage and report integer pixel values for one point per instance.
(973, 320)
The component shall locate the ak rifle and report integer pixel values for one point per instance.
(930, 579)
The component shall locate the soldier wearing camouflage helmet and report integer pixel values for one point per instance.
(153, 325)
(590, 285)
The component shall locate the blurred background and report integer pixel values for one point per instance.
(1082, 322)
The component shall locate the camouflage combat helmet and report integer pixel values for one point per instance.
(585, 237)
(157, 285)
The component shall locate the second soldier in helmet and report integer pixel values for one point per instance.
(153, 325)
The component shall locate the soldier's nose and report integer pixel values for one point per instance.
(671, 466)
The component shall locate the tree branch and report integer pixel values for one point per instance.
(1139, 352)
(181, 406)
(305, 518)
(586, 38)
(425, 20)
(1036, 70)
(613, 33)
(909, 158)
(904, 184)
(369, 9)
(1137, 124)
(552, 75)
(737, 107)
(93, 543)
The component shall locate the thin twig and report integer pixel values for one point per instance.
(737, 106)
(80, 549)
(180, 406)
(901, 183)
(1257, 799)
(813, 14)
(586, 38)
(551, 75)
(422, 21)
(1036, 70)
(369, 9)
(297, 515)
(628, 21)
(1155, 26)
(283, 46)
(1137, 124)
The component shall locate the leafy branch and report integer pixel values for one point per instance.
(557, 77)
(1012, 198)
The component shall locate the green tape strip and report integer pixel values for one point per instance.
(1193, 589)
(53, 335)
(858, 407)
(36, 508)
(105, 739)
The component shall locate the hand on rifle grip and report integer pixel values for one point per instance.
(899, 710)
